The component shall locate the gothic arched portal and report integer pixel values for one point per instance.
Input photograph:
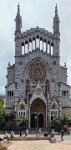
(38, 113)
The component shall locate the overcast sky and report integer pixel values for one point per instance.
(34, 13)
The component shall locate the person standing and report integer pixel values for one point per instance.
(20, 133)
(62, 134)
(12, 135)
(26, 132)
(39, 131)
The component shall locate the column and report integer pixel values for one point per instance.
(46, 115)
(28, 47)
(59, 103)
(35, 43)
(50, 49)
(42, 45)
(29, 116)
(32, 45)
(24, 49)
(48, 111)
(39, 43)
(46, 47)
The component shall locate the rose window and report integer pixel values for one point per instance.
(37, 71)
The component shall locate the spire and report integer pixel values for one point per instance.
(18, 9)
(56, 12)
(56, 8)
(18, 19)
(56, 21)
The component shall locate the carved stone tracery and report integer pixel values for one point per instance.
(37, 71)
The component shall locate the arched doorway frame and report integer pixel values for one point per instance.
(37, 120)
(38, 113)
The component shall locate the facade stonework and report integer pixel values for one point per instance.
(37, 83)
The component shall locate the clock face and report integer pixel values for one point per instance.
(37, 71)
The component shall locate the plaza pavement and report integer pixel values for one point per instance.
(42, 144)
(39, 145)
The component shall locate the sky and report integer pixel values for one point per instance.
(34, 13)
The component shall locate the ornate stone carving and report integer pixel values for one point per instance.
(38, 91)
(37, 71)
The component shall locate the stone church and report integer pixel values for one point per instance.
(37, 84)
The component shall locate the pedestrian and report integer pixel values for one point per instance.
(12, 135)
(52, 133)
(6, 136)
(62, 134)
(26, 132)
(39, 131)
(20, 133)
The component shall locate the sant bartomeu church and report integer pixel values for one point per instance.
(36, 82)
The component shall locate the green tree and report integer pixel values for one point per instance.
(22, 121)
(56, 123)
(2, 112)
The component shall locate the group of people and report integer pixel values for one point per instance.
(62, 134)
(11, 136)
(7, 136)
(25, 132)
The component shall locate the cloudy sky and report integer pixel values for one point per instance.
(34, 13)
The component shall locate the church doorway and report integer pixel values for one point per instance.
(40, 120)
(33, 120)
(38, 113)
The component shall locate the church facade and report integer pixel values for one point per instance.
(37, 83)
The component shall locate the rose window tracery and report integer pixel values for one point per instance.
(37, 71)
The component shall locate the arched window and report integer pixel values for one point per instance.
(52, 46)
(54, 106)
(30, 45)
(26, 47)
(37, 42)
(23, 48)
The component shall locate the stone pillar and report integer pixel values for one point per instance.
(42, 45)
(28, 47)
(59, 103)
(35, 43)
(46, 47)
(29, 118)
(48, 111)
(32, 45)
(46, 115)
(39, 43)
(16, 107)
(50, 49)
(24, 49)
